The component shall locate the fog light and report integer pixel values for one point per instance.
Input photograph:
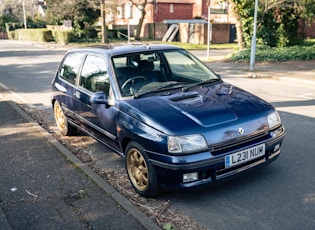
(276, 148)
(189, 177)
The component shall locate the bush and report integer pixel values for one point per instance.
(36, 24)
(39, 35)
(63, 36)
(112, 34)
(11, 26)
(273, 54)
(4, 19)
(89, 33)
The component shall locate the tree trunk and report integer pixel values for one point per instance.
(239, 30)
(239, 33)
(141, 20)
(104, 27)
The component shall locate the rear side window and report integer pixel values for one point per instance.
(71, 66)
(94, 75)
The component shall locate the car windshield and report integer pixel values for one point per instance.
(154, 71)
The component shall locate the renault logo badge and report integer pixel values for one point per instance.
(240, 131)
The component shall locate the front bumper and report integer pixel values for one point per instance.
(170, 169)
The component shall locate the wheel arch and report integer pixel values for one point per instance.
(53, 100)
(124, 143)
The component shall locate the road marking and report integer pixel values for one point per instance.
(17, 96)
(13, 93)
(306, 95)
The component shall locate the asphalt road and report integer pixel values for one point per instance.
(279, 196)
(28, 70)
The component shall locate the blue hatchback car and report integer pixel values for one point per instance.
(176, 123)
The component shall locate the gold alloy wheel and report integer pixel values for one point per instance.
(137, 169)
(59, 117)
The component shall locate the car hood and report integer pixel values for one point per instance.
(198, 110)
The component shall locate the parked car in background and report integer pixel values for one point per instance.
(177, 124)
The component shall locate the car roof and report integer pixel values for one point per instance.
(125, 48)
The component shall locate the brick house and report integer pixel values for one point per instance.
(161, 13)
(160, 10)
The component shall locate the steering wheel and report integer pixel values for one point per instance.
(132, 80)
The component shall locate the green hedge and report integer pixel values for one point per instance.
(273, 54)
(42, 35)
(11, 35)
(63, 36)
(38, 35)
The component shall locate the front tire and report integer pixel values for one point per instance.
(140, 171)
(62, 121)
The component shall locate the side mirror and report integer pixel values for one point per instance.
(101, 98)
(98, 98)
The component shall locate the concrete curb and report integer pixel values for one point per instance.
(121, 200)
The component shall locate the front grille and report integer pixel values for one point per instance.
(218, 148)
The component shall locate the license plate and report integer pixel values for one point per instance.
(244, 155)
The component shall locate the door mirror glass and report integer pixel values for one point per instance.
(98, 98)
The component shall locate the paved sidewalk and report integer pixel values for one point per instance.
(43, 186)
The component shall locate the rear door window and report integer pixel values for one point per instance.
(71, 66)
(94, 75)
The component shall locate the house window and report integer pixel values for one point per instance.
(171, 8)
(128, 11)
(110, 16)
(120, 12)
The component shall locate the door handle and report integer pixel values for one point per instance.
(77, 94)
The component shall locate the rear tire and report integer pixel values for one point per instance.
(140, 171)
(63, 125)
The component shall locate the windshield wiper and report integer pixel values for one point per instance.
(171, 85)
(200, 83)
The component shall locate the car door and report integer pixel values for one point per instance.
(96, 115)
(66, 79)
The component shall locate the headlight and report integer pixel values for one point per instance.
(273, 120)
(186, 144)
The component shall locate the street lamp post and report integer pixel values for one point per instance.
(24, 15)
(129, 17)
(253, 48)
(209, 31)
